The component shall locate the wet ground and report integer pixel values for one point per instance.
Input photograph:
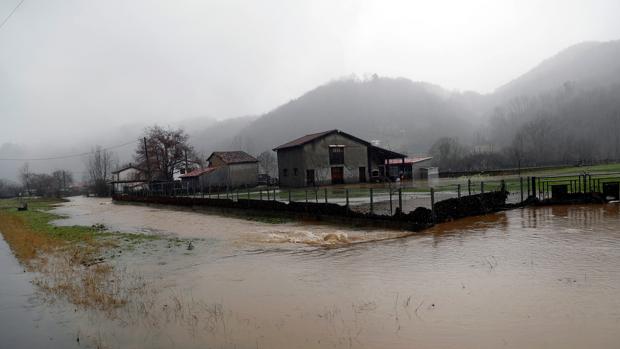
(529, 278)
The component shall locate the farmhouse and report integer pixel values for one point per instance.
(331, 157)
(226, 169)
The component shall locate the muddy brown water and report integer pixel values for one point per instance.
(529, 278)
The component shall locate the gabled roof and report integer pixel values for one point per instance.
(233, 157)
(124, 168)
(315, 136)
(413, 160)
(198, 172)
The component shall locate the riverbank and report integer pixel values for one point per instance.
(72, 262)
(535, 277)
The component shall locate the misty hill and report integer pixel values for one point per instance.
(401, 114)
(588, 64)
(409, 116)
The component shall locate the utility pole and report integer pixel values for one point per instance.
(186, 166)
(148, 163)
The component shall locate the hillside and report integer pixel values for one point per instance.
(587, 65)
(401, 114)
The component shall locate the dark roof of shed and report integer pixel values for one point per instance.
(314, 136)
(198, 172)
(127, 167)
(233, 157)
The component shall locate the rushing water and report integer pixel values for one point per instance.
(528, 278)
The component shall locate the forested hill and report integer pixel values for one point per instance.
(588, 65)
(579, 83)
(402, 114)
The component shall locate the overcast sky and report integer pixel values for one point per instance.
(74, 67)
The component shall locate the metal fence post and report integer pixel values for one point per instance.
(433, 204)
(521, 186)
(458, 190)
(400, 199)
(469, 186)
(325, 195)
(306, 196)
(346, 193)
(316, 195)
(390, 201)
(481, 187)
(289, 196)
(371, 202)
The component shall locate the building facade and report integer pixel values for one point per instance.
(226, 170)
(331, 157)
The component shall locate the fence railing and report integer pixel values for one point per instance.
(389, 198)
(381, 199)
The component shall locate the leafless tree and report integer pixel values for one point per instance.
(268, 163)
(62, 179)
(25, 177)
(8, 189)
(166, 150)
(99, 169)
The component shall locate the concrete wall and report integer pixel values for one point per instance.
(231, 176)
(315, 156)
(243, 175)
(290, 159)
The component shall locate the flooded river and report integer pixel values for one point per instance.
(527, 278)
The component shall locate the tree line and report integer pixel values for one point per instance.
(569, 126)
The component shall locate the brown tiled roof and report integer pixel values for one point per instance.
(233, 157)
(314, 136)
(198, 172)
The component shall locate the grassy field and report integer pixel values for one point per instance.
(73, 262)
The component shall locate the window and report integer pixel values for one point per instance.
(285, 172)
(295, 172)
(336, 155)
(309, 177)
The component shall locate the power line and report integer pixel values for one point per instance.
(66, 156)
(11, 14)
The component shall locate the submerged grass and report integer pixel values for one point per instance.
(69, 260)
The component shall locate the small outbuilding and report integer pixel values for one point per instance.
(128, 178)
(226, 169)
(412, 168)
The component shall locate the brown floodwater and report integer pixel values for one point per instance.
(545, 277)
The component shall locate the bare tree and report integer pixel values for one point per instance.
(62, 179)
(99, 169)
(517, 149)
(8, 189)
(268, 163)
(25, 177)
(161, 151)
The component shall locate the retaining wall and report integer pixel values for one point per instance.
(415, 220)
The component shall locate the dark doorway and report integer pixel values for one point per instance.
(309, 177)
(337, 175)
(362, 174)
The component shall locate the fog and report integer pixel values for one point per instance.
(75, 73)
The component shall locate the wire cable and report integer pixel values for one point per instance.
(66, 156)
(11, 14)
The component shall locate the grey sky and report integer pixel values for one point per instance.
(77, 67)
